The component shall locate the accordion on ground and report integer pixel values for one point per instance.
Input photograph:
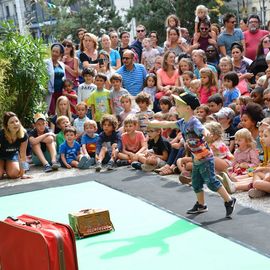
(90, 222)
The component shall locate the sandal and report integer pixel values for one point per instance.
(158, 170)
(166, 171)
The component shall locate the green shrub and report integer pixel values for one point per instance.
(26, 78)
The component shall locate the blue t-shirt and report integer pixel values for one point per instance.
(192, 132)
(230, 95)
(70, 153)
(58, 79)
(114, 55)
(133, 80)
(225, 39)
(90, 144)
(197, 72)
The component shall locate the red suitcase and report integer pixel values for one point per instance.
(28, 243)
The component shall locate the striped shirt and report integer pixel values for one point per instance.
(133, 80)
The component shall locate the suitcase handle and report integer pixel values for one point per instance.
(34, 223)
(87, 210)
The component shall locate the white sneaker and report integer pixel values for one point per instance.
(228, 183)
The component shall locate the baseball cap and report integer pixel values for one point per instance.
(38, 116)
(225, 112)
(187, 99)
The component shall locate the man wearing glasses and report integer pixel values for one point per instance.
(137, 44)
(253, 36)
(203, 39)
(133, 74)
(229, 35)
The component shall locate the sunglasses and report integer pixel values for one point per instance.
(138, 31)
(204, 28)
(68, 45)
(266, 41)
(126, 58)
(210, 51)
(233, 22)
(267, 99)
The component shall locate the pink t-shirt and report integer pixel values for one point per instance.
(165, 79)
(248, 156)
(252, 41)
(205, 93)
(133, 144)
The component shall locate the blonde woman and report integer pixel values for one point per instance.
(13, 144)
(89, 53)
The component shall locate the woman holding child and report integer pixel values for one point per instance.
(13, 144)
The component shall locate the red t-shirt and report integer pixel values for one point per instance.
(72, 101)
(133, 144)
(252, 40)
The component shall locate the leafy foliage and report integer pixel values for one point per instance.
(187, 10)
(5, 102)
(97, 16)
(152, 14)
(25, 75)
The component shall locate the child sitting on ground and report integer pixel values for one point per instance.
(89, 140)
(156, 155)
(202, 112)
(222, 155)
(62, 122)
(43, 144)
(70, 151)
(126, 104)
(246, 155)
(108, 144)
(81, 109)
(133, 142)
(225, 117)
(215, 103)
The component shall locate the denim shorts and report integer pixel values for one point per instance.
(13, 157)
(204, 173)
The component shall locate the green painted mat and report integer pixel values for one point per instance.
(146, 238)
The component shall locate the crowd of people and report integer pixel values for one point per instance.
(118, 105)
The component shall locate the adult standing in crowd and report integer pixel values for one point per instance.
(89, 53)
(13, 144)
(253, 36)
(105, 67)
(200, 60)
(133, 74)
(153, 35)
(80, 34)
(137, 44)
(115, 59)
(125, 39)
(167, 78)
(260, 65)
(114, 40)
(177, 43)
(203, 38)
(243, 24)
(56, 72)
(229, 35)
(71, 63)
